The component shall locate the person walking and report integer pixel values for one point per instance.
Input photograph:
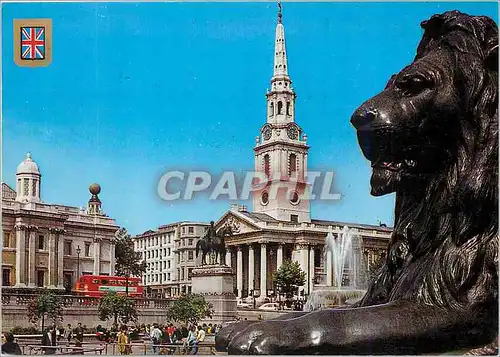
(123, 341)
(49, 338)
(68, 334)
(155, 338)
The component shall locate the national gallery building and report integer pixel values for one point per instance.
(281, 228)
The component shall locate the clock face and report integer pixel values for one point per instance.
(292, 132)
(266, 133)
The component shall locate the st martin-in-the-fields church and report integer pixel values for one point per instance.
(280, 226)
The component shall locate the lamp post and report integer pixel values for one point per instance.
(78, 251)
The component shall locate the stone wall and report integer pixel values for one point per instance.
(77, 309)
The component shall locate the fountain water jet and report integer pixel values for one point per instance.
(349, 268)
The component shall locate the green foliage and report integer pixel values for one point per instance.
(19, 330)
(190, 308)
(128, 262)
(289, 277)
(118, 307)
(45, 305)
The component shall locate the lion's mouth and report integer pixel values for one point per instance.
(380, 148)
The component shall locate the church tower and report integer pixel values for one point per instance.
(28, 181)
(281, 149)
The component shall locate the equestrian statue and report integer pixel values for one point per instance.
(213, 244)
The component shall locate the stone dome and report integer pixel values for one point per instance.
(28, 166)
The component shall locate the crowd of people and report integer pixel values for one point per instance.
(162, 339)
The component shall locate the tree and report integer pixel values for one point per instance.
(190, 308)
(118, 307)
(289, 277)
(47, 304)
(128, 261)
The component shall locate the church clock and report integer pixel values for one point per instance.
(292, 132)
(266, 133)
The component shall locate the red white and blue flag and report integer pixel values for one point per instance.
(32, 43)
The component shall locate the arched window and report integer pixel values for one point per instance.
(292, 164)
(280, 107)
(288, 108)
(271, 109)
(267, 165)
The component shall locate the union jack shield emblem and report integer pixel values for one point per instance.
(32, 43)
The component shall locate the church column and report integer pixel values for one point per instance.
(329, 281)
(97, 255)
(279, 256)
(251, 268)
(112, 257)
(301, 256)
(311, 269)
(263, 270)
(52, 258)
(228, 257)
(60, 258)
(20, 255)
(32, 256)
(239, 271)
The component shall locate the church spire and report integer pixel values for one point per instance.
(280, 61)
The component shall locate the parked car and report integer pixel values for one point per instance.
(270, 306)
(244, 305)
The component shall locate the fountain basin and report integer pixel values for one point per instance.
(331, 297)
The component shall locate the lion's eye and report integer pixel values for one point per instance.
(413, 85)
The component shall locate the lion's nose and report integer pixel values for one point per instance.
(362, 117)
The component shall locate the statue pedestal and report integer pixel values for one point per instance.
(215, 283)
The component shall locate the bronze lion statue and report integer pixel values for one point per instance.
(432, 138)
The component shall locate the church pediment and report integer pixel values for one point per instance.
(239, 224)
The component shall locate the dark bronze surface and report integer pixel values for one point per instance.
(432, 138)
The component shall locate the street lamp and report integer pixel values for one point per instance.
(78, 251)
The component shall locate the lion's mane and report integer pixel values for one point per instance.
(444, 249)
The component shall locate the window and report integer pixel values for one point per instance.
(40, 278)
(168, 264)
(25, 187)
(169, 252)
(190, 255)
(287, 108)
(190, 230)
(5, 277)
(294, 218)
(190, 273)
(267, 165)
(168, 276)
(280, 107)
(149, 254)
(169, 239)
(292, 164)
(6, 239)
(87, 249)
(271, 109)
(67, 248)
(41, 242)
(34, 187)
(183, 229)
(190, 241)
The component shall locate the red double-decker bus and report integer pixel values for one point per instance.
(98, 285)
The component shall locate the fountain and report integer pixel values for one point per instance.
(349, 272)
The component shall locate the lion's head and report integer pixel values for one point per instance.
(438, 112)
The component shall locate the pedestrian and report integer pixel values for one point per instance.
(123, 341)
(68, 334)
(78, 332)
(191, 340)
(49, 339)
(155, 337)
(10, 347)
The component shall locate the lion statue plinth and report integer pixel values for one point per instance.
(432, 138)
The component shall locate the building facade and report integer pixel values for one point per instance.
(170, 255)
(49, 245)
(280, 226)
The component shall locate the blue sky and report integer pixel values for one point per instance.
(135, 90)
